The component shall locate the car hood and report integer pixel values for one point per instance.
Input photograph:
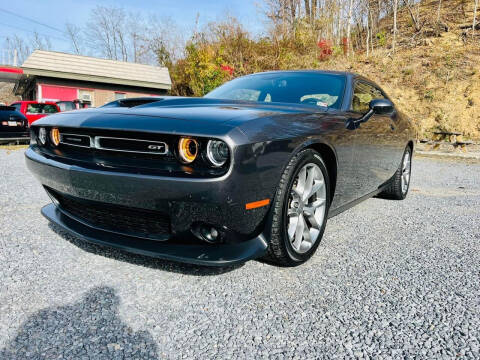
(196, 116)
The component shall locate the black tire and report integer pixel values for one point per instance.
(394, 189)
(280, 250)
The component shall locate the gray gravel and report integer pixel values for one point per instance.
(390, 280)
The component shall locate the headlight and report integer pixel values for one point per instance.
(33, 138)
(187, 149)
(55, 135)
(42, 136)
(217, 152)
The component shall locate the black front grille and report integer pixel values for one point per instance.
(75, 140)
(145, 153)
(118, 219)
(131, 145)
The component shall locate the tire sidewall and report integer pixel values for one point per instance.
(308, 156)
(408, 152)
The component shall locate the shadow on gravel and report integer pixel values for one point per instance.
(150, 262)
(89, 328)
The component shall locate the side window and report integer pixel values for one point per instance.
(33, 109)
(363, 93)
(17, 106)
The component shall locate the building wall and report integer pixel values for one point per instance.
(103, 96)
(60, 89)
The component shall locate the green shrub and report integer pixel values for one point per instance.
(429, 95)
(381, 38)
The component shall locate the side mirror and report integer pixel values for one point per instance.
(381, 106)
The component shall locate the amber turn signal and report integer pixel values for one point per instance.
(187, 149)
(257, 204)
(55, 135)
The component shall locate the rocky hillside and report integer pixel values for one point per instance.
(6, 93)
(434, 75)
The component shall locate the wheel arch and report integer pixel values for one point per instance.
(328, 155)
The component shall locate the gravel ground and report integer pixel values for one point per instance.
(390, 280)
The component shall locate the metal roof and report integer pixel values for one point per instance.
(86, 68)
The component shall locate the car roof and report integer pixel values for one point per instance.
(33, 102)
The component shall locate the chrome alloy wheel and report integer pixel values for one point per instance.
(306, 208)
(406, 168)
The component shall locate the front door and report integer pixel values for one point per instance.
(375, 144)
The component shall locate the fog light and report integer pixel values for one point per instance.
(206, 233)
(210, 234)
(42, 136)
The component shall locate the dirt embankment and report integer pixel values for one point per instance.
(434, 76)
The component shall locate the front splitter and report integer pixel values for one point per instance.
(204, 254)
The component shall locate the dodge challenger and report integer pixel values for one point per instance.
(253, 169)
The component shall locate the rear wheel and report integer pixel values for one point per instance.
(400, 183)
(300, 210)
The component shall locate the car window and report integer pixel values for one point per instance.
(49, 109)
(41, 109)
(308, 88)
(245, 94)
(363, 93)
(17, 106)
(66, 105)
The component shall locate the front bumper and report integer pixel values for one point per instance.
(14, 135)
(218, 202)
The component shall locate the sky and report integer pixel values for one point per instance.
(55, 13)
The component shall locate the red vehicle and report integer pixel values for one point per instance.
(35, 110)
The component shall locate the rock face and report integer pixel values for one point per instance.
(6, 93)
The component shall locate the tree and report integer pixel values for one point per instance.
(74, 34)
(438, 10)
(308, 13)
(474, 18)
(17, 44)
(414, 10)
(106, 29)
(349, 26)
(395, 10)
(41, 43)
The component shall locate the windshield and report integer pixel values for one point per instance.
(317, 89)
(41, 109)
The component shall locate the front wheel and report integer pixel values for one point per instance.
(300, 210)
(400, 183)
